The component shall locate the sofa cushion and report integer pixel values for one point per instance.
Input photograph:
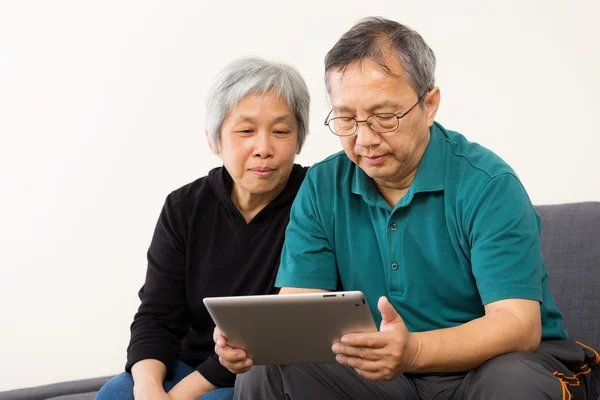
(571, 248)
(81, 396)
(75, 390)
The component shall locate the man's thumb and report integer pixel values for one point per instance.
(388, 313)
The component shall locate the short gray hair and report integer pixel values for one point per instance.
(370, 36)
(255, 75)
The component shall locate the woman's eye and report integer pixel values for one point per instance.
(246, 131)
(282, 132)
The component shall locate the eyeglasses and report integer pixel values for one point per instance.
(380, 123)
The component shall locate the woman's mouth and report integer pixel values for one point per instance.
(262, 171)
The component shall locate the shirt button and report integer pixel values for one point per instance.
(395, 266)
(393, 227)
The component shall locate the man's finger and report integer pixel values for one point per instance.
(230, 354)
(359, 363)
(374, 340)
(221, 341)
(366, 353)
(373, 376)
(237, 366)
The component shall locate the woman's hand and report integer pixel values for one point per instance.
(191, 387)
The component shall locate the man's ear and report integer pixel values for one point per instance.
(432, 102)
(213, 149)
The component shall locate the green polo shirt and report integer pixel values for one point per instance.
(464, 235)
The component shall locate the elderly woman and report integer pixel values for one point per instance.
(220, 235)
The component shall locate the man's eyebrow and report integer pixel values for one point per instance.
(342, 109)
(384, 104)
(377, 106)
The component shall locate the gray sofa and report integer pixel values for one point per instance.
(571, 248)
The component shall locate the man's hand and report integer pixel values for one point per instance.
(234, 360)
(383, 355)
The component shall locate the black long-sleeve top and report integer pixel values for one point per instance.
(203, 247)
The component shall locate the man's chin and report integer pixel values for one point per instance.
(373, 169)
(377, 173)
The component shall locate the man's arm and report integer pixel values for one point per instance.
(506, 261)
(502, 228)
(509, 325)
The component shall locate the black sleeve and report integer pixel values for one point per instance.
(215, 373)
(163, 317)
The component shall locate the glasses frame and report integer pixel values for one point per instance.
(356, 122)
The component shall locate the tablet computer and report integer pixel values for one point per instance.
(290, 328)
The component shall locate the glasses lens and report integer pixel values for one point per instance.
(342, 126)
(383, 122)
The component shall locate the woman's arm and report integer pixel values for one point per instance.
(191, 387)
(148, 376)
(163, 317)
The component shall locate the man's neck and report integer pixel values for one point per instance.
(393, 189)
(393, 192)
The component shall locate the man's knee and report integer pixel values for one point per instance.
(513, 375)
(260, 380)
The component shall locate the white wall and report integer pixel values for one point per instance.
(102, 115)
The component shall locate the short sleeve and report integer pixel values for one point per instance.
(504, 234)
(307, 258)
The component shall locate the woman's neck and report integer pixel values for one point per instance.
(250, 204)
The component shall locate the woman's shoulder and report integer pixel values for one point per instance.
(195, 191)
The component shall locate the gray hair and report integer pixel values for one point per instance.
(255, 75)
(370, 36)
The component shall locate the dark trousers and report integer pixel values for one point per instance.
(559, 369)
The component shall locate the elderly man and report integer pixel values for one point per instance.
(437, 232)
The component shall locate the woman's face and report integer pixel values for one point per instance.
(258, 145)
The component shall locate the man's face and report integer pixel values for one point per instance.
(363, 89)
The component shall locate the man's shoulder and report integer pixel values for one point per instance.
(473, 170)
(471, 162)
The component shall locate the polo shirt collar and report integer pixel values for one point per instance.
(431, 172)
(429, 178)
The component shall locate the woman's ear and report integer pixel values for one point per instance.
(210, 144)
(298, 148)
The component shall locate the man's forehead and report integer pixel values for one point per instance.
(377, 66)
(359, 69)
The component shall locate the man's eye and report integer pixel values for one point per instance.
(282, 132)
